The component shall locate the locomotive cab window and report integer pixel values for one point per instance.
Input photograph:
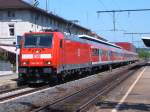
(38, 40)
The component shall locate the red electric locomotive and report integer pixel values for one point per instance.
(51, 55)
(44, 55)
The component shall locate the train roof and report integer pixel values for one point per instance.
(98, 40)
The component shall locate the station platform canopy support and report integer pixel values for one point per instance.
(146, 41)
(11, 49)
(8, 52)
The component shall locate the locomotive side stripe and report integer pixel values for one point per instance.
(42, 56)
(45, 56)
(27, 56)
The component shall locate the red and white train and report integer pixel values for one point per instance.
(44, 55)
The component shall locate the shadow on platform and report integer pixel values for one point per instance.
(125, 106)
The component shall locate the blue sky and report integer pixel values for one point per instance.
(85, 12)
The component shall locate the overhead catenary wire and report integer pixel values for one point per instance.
(112, 15)
(127, 10)
(120, 11)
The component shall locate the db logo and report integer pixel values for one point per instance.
(36, 56)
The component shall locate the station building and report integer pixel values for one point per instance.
(18, 16)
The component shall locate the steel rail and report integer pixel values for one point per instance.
(105, 90)
(13, 89)
(13, 95)
(78, 92)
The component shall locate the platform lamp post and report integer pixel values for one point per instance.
(18, 39)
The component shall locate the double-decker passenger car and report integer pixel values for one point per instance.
(107, 53)
(53, 55)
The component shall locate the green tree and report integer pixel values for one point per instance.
(144, 54)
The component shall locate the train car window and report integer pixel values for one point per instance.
(95, 52)
(109, 53)
(103, 52)
(100, 52)
(61, 43)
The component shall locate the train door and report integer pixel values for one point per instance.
(61, 54)
(109, 55)
(100, 55)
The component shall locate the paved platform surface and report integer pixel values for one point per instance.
(133, 95)
(8, 79)
(2, 73)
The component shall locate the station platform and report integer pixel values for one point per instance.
(2, 73)
(8, 81)
(133, 95)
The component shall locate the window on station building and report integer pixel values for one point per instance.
(37, 16)
(11, 14)
(42, 20)
(54, 23)
(32, 16)
(46, 20)
(11, 30)
(50, 21)
(1, 15)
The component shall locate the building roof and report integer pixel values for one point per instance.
(10, 49)
(6, 4)
(146, 41)
(20, 4)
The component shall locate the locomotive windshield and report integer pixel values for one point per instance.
(38, 40)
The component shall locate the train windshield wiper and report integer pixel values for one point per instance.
(30, 46)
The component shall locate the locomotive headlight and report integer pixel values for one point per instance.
(48, 62)
(25, 63)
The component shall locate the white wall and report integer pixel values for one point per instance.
(21, 24)
(24, 21)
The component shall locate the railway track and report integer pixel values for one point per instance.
(101, 93)
(16, 92)
(83, 99)
(10, 90)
